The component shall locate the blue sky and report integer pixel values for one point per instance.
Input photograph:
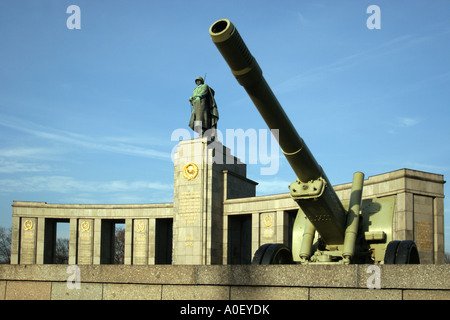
(86, 116)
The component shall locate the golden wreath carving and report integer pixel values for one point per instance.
(140, 226)
(268, 221)
(190, 171)
(28, 225)
(85, 226)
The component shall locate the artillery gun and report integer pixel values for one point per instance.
(325, 231)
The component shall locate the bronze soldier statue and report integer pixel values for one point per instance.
(204, 115)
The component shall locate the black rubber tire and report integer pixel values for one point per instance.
(259, 254)
(407, 253)
(273, 253)
(401, 252)
(391, 252)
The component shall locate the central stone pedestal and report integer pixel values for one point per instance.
(201, 183)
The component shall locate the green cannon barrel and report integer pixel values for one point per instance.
(321, 206)
(248, 73)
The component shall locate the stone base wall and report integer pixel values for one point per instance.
(238, 282)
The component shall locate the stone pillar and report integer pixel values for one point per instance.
(128, 250)
(28, 241)
(15, 240)
(268, 222)
(45, 226)
(403, 227)
(97, 241)
(198, 200)
(439, 236)
(140, 241)
(282, 226)
(423, 227)
(256, 243)
(73, 240)
(151, 241)
(85, 241)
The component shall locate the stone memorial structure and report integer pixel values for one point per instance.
(215, 217)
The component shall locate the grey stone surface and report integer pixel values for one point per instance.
(2, 290)
(354, 294)
(225, 282)
(268, 293)
(426, 295)
(193, 292)
(28, 290)
(87, 291)
(120, 291)
(279, 275)
(409, 276)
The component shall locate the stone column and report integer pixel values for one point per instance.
(40, 238)
(97, 241)
(15, 240)
(198, 200)
(127, 259)
(424, 227)
(190, 183)
(140, 241)
(402, 228)
(268, 222)
(85, 241)
(256, 243)
(151, 241)
(439, 233)
(28, 242)
(73, 241)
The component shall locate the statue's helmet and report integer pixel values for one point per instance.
(199, 78)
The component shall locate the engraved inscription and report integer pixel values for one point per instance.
(268, 232)
(424, 235)
(140, 242)
(85, 243)
(28, 246)
(189, 206)
(189, 242)
(140, 248)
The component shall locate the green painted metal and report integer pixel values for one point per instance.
(325, 230)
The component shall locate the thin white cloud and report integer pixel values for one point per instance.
(22, 159)
(64, 184)
(400, 123)
(22, 152)
(80, 140)
(407, 122)
(318, 73)
(301, 18)
(7, 166)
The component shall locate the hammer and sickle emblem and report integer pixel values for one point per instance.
(190, 171)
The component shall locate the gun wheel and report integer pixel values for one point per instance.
(401, 252)
(273, 253)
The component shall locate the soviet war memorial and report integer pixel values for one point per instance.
(380, 236)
